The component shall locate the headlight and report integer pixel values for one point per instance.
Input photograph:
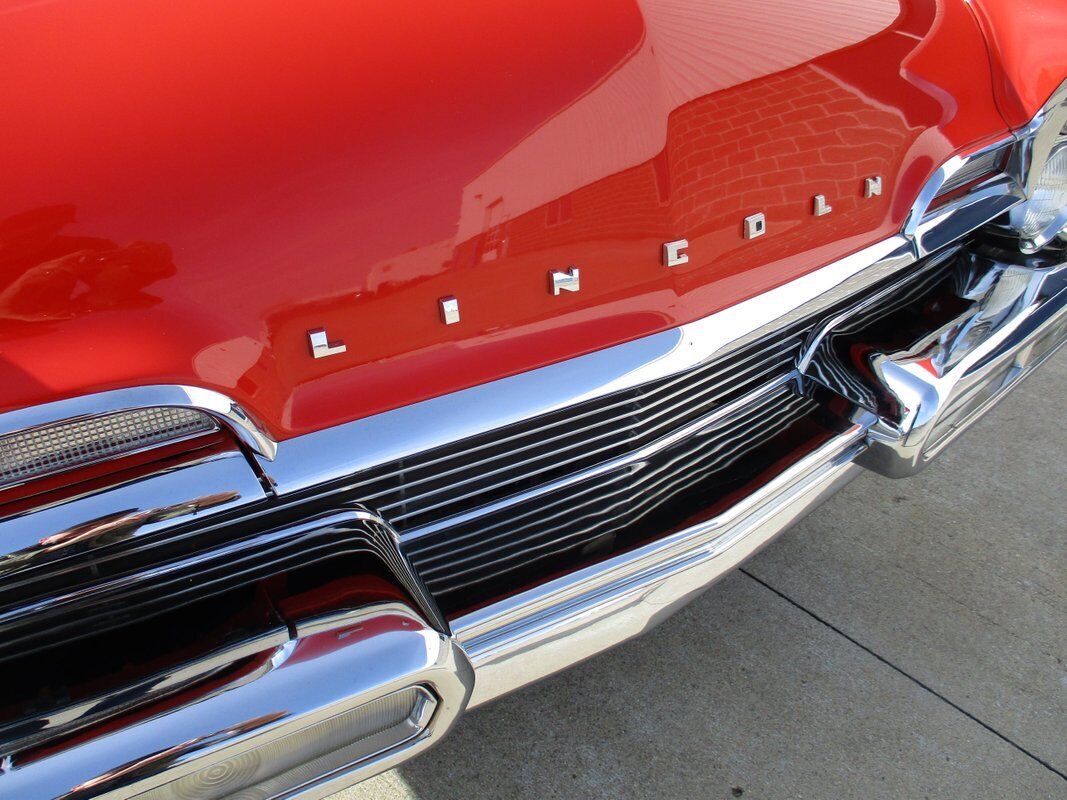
(1042, 164)
(1045, 214)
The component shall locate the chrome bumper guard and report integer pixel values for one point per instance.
(946, 380)
(349, 696)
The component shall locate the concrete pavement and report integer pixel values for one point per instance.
(907, 640)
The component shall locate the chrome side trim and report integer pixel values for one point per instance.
(253, 435)
(133, 508)
(334, 666)
(543, 630)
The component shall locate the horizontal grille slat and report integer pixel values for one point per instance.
(640, 432)
(111, 604)
(710, 452)
(785, 350)
(487, 531)
(597, 441)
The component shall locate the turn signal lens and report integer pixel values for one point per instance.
(38, 452)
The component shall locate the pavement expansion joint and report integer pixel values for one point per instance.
(906, 674)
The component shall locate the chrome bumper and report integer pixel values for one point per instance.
(350, 695)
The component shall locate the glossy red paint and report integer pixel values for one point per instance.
(1028, 51)
(190, 186)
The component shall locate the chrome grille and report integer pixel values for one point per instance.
(594, 510)
(502, 506)
(420, 495)
(485, 515)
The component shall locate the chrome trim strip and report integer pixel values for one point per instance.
(978, 166)
(543, 630)
(324, 456)
(253, 435)
(149, 503)
(360, 525)
(333, 666)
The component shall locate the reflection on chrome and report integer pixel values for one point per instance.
(938, 384)
(135, 507)
(406, 685)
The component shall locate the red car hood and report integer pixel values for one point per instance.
(189, 187)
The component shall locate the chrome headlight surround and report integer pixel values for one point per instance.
(1040, 164)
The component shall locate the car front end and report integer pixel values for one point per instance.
(313, 464)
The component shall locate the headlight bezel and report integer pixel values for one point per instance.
(1044, 137)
